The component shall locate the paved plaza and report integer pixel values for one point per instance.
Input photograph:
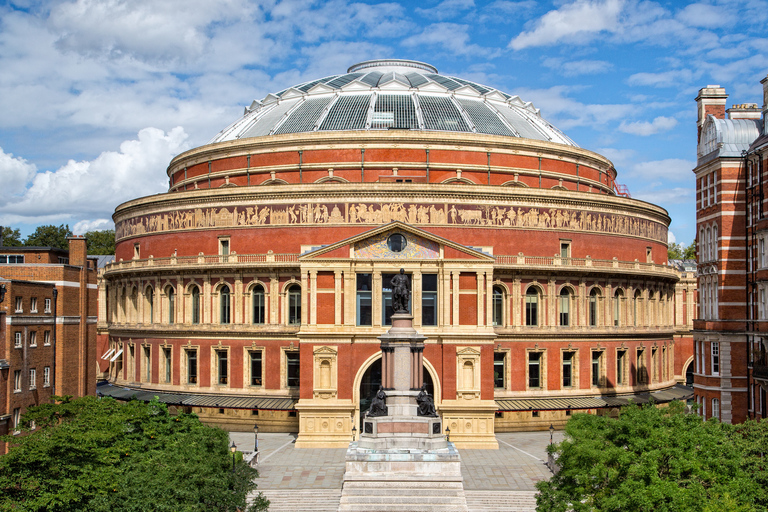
(516, 466)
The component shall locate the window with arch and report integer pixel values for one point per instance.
(224, 305)
(497, 305)
(532, 307)
(636, 309)
(593, 299)
(294, 305)
(171, 294)
(195, 292)
(149, 295)
(617, 307)
(258, 305)
(565, 307)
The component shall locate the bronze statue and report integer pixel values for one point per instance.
(425, 403)
(378, 404)
(401, 292)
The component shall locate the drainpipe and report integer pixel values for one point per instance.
(53, 343)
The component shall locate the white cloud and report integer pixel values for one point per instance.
(619, 157)
(578, 67)
(451, 37)
(671, 237)
(705, 15)
(671, 78)
(565, 112)
(645, 128)
(446, 9)
(89, 190)
(15, 174)
(670, 169)
(666, 196)
(84, 226)
(578, 21)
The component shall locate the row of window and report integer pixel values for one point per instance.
(708, 189)
(32, 305)
(18, 384)
(708, 295)
(11, 259)
(18, 339)
(569, 368)
(714, 354)
(708, 243)
(714, 412)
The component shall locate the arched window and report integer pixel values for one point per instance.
(224, 305)
(498, 306)
(593, 295)
(716, 408)
(294, 305)
(195, 291)
(532, 307)
(713, 249)
(257, 297)
(149, 314)
(636, 309)
(171, 294)
(617, 307)
(708, 249)
(134, 305)
(565, 307)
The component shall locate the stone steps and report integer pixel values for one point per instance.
(501, 501)
(309, 500)
(402, 496)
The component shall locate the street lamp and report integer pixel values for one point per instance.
(255, 438)
(448, 434)
(354, 433)
(233, 449)
(551, 432)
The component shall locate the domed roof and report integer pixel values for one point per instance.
(392, 94)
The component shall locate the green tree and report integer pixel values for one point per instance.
(657, 459)
(49, 236)
(99, 455)
(10, 237)
(676, 251)
(101, 242)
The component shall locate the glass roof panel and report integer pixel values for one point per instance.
(343, 80)
(416, 79)
(372, 78)
(521, 123)
(348, 113)
(307, 86)
(477, 87)
(268, 120)
(445, 82)
(303, 119)
(441, 114)
(394, 111)
(485, 120)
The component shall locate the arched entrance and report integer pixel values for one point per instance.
(689, 374)
(371, 380)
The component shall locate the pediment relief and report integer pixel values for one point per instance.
(468, 351)
(325, 350)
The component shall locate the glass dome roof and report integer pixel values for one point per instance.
(392, 94)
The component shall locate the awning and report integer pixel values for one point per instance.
(116, 356)
(677, 392)
(192, 400)
(108, 353)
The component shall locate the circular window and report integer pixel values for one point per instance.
(396, 242)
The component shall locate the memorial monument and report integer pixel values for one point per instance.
(403, 459)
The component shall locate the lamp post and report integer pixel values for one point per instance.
(233, 449)
(256, 439)
(448, 434)
(551, 432)
(354, 433)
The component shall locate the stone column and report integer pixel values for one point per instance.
(455, 302)
(445, 298)
(337, 297)
(480, 299)
(350, 296)
(313, 297)
(516, 298)
(207, 310)
(489, 299)
(237, 306)
(377, 298)
(305, 291)
(274, 298)
(416, 298)
(552, 306)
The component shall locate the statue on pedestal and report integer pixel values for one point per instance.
(425, 403)
(378, 404)
(401, 292)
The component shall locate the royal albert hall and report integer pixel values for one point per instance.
(255, 289)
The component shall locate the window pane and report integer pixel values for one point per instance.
(258, 305)
(429, 308)
(222, 367)
(498, 369)
(534, 359)
(294, 305)
(596, 363)
(364, 308)
(256, 368)
(192, 367)
(532, 308)
(567, 369)
(292, 360)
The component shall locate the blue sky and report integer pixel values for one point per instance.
(96, 96)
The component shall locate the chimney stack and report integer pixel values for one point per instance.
(710, 101)
(78, 251)
(764, 81)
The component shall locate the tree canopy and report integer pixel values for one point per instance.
(660, 460)
(49, 236)
(97, 455)
(677, 251)
(101, 242)
(10, 237)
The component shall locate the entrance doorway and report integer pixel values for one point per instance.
(371, 381)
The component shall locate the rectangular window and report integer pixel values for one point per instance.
(47, 305)
(191, 366)
(171, 306)
(364, 300)
(11, 258)
(716, 408)
(565, 252)
(532, 309)
(32, 338)
(19, 305)
(32, 378)
(256, 368)
(429, 299)
(16, 419)
(498, 369)
(565, 309)
(224, 249)
(642, 373)
(534, 369)
(17, 381)
(597, 368)
(221, 355)
(568, 369)
(715, 358)
(621, 357)
(259, 308)
(17, 339)
(294, 305)
(654, 366)
(47, 338)
(292, 363)
(147, 364)
(46, 376)
(33, 305)
(167, 357)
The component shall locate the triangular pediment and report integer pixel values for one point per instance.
(432, 87)
(292, 93)
(420, 244)
(466, 90)
(496, 96)
(321, 88)
(395, 85)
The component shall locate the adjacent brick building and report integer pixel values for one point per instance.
(48, 342)
(731, 373)
(256, 288)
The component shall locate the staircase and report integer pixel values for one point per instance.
(402, 496)
(501, 501)
(299, 500)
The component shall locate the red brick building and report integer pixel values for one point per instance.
(48, 342)
(256, 288)
(730, 363)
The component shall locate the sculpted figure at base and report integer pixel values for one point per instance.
(401, 292)
(378, 404)
(425, 403)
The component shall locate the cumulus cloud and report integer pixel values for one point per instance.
(671, 237)
(666, 196)
(566, 112)
(446, 9)
(578, 67)
(671, 78)
(15, 175)
(706, 15)
(451, 37)
(670, 169)
(90, 190)
(645, 128)
(84, 226)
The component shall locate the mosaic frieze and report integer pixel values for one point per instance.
(381, 213)
(415, 248)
